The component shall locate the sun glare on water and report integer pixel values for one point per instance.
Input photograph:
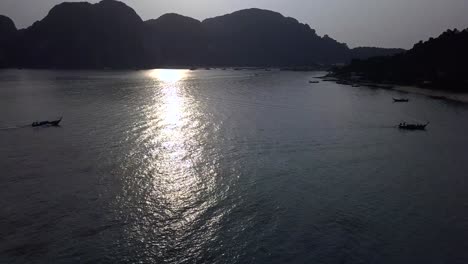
(168, 76)
(173, 104)
(175, 173)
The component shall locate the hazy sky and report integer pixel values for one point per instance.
(383, 23)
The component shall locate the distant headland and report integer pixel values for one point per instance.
(439, 63)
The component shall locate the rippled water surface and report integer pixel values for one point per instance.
(176, 166)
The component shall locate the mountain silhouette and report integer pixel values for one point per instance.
(83, 35)
(110, 34)
(175, 40)
(439, 63)
(256, 37)
(7, 37)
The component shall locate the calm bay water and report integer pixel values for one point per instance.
(175, 166)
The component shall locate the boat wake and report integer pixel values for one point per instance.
(13, 127)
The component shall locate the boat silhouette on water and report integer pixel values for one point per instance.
(400, 100)
(438, 97)
(407, 126)
(47, 123)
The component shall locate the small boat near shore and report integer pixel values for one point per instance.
(400, 100)
(380, 86)
(343, 82)
(407, 126)
(314, 82)
(438, 97)
(47, 123)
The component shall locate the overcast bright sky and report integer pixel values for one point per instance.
(383, 23)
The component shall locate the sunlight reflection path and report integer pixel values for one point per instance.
(176, 179)
(180, 177)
